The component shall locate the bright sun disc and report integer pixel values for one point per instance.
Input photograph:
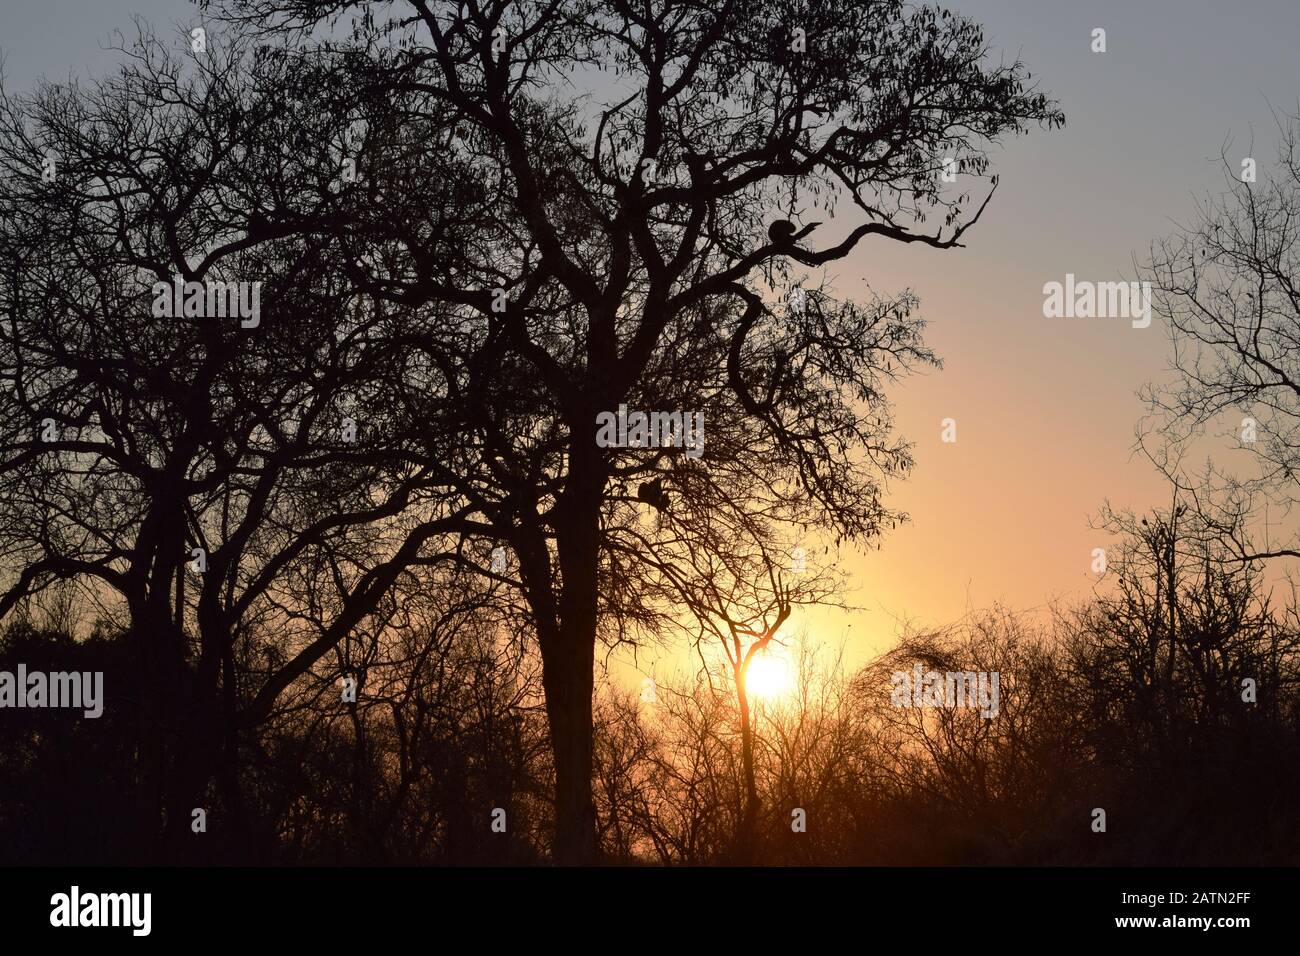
(768, 677)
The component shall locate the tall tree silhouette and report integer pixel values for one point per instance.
(200, 472)
(629, 160)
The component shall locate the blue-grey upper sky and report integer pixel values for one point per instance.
(1045, 408)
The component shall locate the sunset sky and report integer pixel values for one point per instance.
(1045, 408)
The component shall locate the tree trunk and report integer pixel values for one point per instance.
(745, 844)
(567, 678)
(569, 654)
(198, 741)
(196, 745)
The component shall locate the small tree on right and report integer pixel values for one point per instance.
(1228, 286)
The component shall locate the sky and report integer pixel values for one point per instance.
(1045, 408)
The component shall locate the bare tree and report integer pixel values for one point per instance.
(1226, 283)
(639, 225)
(204, 473)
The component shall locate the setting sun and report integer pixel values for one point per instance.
(769, 677)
